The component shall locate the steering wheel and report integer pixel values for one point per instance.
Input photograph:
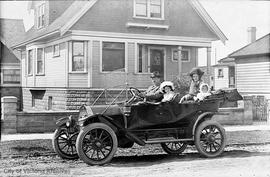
(135, 94)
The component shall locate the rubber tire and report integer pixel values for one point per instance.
(81, 136)
(198, 134)
(169, 151)
(57, 149)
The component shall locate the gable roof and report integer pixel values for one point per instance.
(207, 19)
(73, 13)
(11, 31)
(76, 10)
(260, 46)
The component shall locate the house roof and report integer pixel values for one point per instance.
(260, 46)
(226, 60)
(208, 20)
(11, 31)
(76, 10)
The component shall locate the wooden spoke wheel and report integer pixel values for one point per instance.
(64, 143)
(210, 138)
(96, 144)
(174, 147)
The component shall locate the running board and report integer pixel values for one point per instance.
(166, 140)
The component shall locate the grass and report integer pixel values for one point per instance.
(26, 148)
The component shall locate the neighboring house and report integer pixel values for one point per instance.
(11, 31)
(78, 45)
(252, 64)
(224, 73)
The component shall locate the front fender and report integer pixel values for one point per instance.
(64, 120)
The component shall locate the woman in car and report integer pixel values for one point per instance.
(196, 81)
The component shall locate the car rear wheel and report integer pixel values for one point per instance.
(64, 143)
(174, 147)
(210, 138)
(96, 144)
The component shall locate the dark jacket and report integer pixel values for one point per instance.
(153, 94)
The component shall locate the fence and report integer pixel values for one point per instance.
(260, 108)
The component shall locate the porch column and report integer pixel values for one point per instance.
(208, 79)
(208, 60)
(179, 60)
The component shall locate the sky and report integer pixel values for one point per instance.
(233, 17)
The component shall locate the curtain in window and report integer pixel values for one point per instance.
(113, 56)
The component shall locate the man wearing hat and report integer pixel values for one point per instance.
(153, 93)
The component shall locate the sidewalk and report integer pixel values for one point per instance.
(251, 134)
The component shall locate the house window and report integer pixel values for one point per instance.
(37, 96)
(56, 50)
(50, 102)
(113, 56)
(40, 61)
(41, 16)
(185, 55)
(11, 76)
(78, 56)
(149, 8)
(220, 73)
(142, 59)
(30, 62)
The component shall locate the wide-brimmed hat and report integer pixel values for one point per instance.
(196, 71)
(155, 74)
(164, 84)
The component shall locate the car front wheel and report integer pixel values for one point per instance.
(210, 138)
(96, 144)
(64, 143)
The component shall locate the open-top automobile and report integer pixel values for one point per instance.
(99, 130)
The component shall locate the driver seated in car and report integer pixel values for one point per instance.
(203, 92)
(167, 89)
(153, 94)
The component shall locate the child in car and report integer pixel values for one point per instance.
(204, 92)
(167, 89)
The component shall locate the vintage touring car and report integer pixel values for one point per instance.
(99, 130)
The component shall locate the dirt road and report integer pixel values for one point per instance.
(147, 161)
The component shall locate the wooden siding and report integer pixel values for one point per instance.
(172, 66)
(23, 73)
(221, 82)
(55, 70)
(253, 76)
(112, 16)
(78, 80)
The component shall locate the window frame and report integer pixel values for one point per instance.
(56, 53)
(137, 59)
(218, 73)
(183, 49)
(84, 56)
(43, 61)
(148, 12)
(11, 74)
(41, 16)
(28, 66)
(125, 55)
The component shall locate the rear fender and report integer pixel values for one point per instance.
(201, 117)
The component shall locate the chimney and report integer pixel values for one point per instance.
(251, 34)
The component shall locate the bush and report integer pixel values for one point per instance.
(182, 84)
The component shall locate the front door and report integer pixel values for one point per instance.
(157, 61)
